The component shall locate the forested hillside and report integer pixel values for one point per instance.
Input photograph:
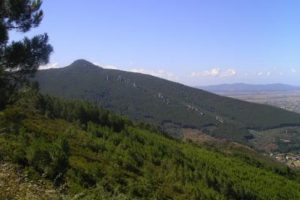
(157, 101)
(98, 134)
(90, 153)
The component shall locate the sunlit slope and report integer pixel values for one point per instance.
(91, 153)
(154, 100)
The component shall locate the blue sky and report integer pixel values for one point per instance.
(196, 42)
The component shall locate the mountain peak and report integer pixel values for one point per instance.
(83, 64)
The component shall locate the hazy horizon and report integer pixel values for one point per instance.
(49, 66)
(191, 42)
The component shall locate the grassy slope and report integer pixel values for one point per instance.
(89, 158)
(154, 100)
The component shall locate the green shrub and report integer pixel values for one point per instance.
(136, 162)
(49, 159)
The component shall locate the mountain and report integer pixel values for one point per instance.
(61, 149)
(242, 87)
(172, 106)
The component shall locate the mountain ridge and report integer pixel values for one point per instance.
(153, 100)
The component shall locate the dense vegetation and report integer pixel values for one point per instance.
(170, 105)
(283, 140)
(89, 153)
(20, 59)
(96, 155)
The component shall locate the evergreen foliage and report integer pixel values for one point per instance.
(95, 154)
(20, 59)
(163, 103)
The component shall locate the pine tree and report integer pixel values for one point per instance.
(20, 59)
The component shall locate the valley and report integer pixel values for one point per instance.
(290, 159)
(279, 95)
(288, 100)
(171, 106)
(130, 120)
(280, 139)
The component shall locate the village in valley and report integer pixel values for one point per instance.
(290, 159)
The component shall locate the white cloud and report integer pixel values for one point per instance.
(266, 73)
(158, 73)
(106, 66)
(138, 70)
(293, 70)
(229, 72)
(260, 73)
(215, 72)
(50, 65)
(95, 63)
(212, 72)
(110, 67)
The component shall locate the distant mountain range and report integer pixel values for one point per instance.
(167, 104)
(242, 87)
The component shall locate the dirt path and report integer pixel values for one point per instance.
(14, 185)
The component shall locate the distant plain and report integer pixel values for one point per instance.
(288, 100)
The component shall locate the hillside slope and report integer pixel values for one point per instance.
(89, 153)
(161, 102)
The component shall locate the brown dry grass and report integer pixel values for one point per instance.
(14, 185)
